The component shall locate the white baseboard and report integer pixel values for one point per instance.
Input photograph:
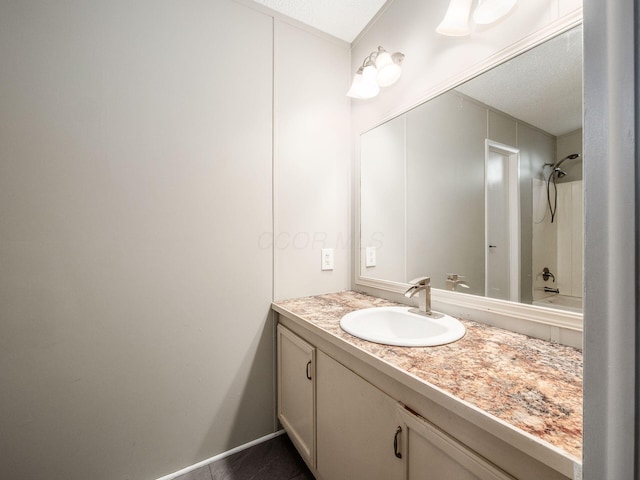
(191, 468)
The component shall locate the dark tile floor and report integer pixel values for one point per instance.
(276, 459)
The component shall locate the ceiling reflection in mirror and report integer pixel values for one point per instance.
(480, 188)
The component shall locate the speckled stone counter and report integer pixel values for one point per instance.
(531, 384)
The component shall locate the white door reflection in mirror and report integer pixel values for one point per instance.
(502, 222)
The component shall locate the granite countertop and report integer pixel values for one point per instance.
(529, 383)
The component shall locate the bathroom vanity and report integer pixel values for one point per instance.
(494, 405)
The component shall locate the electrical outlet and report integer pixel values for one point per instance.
(370, 257)
(327, 259)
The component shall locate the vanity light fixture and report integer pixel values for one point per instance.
(379, 69)
(456, 20)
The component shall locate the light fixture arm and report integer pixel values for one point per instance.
(371, 58)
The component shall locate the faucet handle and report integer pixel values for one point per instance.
(546, 274)
(454, 276)
(422, 281)
(454, 281)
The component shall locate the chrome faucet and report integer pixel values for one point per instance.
(424, 301)
(454, 281)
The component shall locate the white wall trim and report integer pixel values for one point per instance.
(228, 453)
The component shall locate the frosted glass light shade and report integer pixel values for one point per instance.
(353, 91)
(364, 84)
(456, 21)
(369, 86)
(489, 11)
(388, 69)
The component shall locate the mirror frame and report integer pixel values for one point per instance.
(497, 312)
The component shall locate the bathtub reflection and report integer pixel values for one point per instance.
(561, 302)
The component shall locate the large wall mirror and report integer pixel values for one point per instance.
(480, 188)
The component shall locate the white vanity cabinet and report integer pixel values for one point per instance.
(429, 453)
(356, 427)
(348, 427)
(296, 392)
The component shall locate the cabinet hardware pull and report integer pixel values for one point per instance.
(309, 369)
(395, 443)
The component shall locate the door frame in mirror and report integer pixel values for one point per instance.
(557, 325)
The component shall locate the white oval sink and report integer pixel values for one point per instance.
(398, 326)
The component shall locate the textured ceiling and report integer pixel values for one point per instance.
(344, 19)
(542, 87)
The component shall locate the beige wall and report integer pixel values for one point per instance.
(537, 148)
(136, 157)
(382, 201)
(611, 420)
(311, 162)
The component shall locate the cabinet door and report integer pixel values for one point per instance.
(296, 392)
(431, 454)
(356, 426)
